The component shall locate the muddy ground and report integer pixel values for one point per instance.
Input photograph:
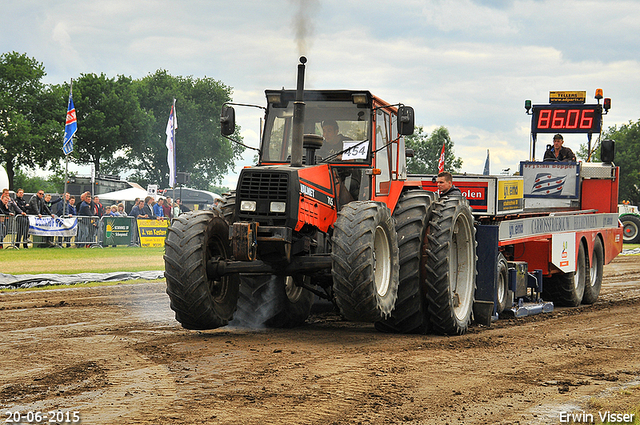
(116, 355)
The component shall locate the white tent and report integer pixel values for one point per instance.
(124, 195)
(4, 179)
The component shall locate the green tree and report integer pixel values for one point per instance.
(110, 119)
(426, 152)
(31, 115)
(220, 190)
(54, 183)
(627, 139)
(583, 152)
(200, 148)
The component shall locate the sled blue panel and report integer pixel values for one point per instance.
(487, 250)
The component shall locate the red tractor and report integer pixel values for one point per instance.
(333, 217)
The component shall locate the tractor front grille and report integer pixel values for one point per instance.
(264, 188)
(264, 185)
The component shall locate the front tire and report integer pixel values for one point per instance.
(365, 261)
(192, 240)
(451, 266)
(412, 215)
(228, 206)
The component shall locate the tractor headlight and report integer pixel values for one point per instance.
(248, 206)
(278, 207)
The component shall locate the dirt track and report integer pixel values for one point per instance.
(116, 355)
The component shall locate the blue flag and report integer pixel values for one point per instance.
(70, 127)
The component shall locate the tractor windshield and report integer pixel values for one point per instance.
(344, 125)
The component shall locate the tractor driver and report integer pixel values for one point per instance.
(557, 152)
(347, 180)
(333, 138)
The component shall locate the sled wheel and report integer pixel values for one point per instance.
(594, 278)
(567, 289)
(502, 283)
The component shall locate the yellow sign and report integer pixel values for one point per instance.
(567, 96)
(152, 232)
(510, 195)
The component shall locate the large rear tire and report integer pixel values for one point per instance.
(365, 261)
(192, 240)
(273, 301)
(567, 289)
(451, 266)
(412, 215)
(631, 228)
(593, 281)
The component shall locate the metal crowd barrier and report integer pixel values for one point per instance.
(88, 234)
(14, 233)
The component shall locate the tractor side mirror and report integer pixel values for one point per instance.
(227, 120)
(406, 120)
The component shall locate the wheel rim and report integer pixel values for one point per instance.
(579, 268)
(629, 231)
(216, 250)
(594, 270)
(461, 276)
(293, 291)
(593, 273)
(381, 261)
(502, 288)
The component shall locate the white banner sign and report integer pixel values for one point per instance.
(152, 190)
(549, 225)
(550, 179)
(52, 226)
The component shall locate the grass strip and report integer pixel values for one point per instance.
(80, 260)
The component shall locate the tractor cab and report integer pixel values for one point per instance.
(355, 135)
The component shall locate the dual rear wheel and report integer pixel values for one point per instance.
(583, 285)
(437, 254)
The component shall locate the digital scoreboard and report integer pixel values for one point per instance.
(567, 118)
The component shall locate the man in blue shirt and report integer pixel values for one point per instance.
(157, 208)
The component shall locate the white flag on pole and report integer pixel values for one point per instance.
(172, 124)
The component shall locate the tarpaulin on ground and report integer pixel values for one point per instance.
(8, 281)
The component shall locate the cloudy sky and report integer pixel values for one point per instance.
(467, 65)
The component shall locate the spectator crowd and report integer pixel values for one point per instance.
(14, 212)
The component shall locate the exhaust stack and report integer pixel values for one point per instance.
(298, 117)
